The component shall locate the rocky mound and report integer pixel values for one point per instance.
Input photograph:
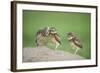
(40, 54)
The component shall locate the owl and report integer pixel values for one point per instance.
(41, 36)
(55, 38)
(74, 42)
(46, 32)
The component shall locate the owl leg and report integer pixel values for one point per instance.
(57, 46)
(77, 49)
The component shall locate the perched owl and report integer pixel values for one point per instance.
(41, 35)
(46, 32)
(74, 42)
(55, 38)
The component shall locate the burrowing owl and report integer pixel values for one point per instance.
(47, 32)
(54, 37)
(74, 42)
(40, 36)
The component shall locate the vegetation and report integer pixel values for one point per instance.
(64, 22)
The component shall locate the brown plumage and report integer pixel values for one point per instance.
(40, 36)
(55, 37)
(47, 32)
(74, 41)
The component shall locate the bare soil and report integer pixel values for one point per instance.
(41, 54)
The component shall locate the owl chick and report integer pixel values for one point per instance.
(74, 42)
(55, 38)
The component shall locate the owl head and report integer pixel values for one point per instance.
(52, 30)
(71, 35)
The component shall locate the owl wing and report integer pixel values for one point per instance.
(78, 43)
(57, 37)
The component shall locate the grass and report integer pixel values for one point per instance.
(78, 23)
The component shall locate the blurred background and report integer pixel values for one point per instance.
(64, 22)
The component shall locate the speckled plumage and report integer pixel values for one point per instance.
(74, 41)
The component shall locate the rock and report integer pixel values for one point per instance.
(41, 54)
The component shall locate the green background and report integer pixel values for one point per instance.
(64, 22)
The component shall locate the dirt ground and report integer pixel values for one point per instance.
(41, 54)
